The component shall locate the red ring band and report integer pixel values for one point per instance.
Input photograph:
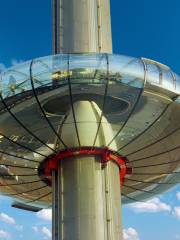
(106, 154)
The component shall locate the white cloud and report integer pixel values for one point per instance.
(35, 229)
(4, 234)
(15, 62)
(7, 219)
(176, 212)
(45, 214)
(46, 232)
(177, 236)
(153, 205)
(130, 234)
(178, 195)
(2, 67)
(19, 228)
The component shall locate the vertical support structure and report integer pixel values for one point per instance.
(87, 200)
(82, 26)
(86, 195)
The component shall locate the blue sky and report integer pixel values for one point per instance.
(148, 28)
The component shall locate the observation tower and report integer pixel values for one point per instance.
(85, 130)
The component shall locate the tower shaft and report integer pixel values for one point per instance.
(86, 193)
(87, 200)
(81, 26)
(86, 197)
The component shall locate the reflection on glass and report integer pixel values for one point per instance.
(131, 101)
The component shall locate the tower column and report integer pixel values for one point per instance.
(86, 197)
(86, 181)
(81, 26)
(86, 200)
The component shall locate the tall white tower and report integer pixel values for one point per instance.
(87, 199)
(84, 127)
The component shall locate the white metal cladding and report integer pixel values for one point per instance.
(82, 26)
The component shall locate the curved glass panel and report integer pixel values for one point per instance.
(58, 102)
